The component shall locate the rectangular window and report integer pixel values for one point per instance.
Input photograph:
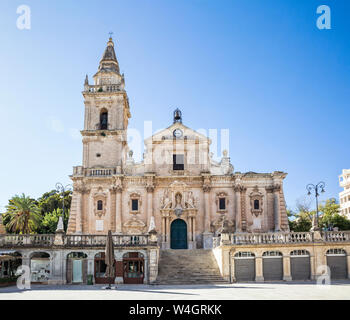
(222, 204)
(256, 205)
(135, 205)
(178, 162)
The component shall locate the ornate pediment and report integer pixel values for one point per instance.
(256, 201)
(100, 201)
(134, 226)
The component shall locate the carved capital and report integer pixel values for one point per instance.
(269, 189)
(206, 188)
(150, 188)
(277, 188)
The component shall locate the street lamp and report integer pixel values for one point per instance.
(311, 188)
(62, 189)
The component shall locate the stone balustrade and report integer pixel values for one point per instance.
(103, 88)
(100, 240)
(37, 240)
(336, 236)
(287, 238)
(100, 172)
(45, 241)
(95, 172)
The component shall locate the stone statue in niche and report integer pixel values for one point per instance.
(166, 200)
(190, 200)
(178, 206)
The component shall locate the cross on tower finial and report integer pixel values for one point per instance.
(110, 34)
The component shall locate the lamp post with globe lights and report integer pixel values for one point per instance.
(316, 189)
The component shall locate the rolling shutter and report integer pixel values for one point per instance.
(273, 268)
(338, 267)
(300, 267)
(245, 269)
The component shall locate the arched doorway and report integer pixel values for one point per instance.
(76, 267)
(178, 234)
(133, 268)
(40, 267)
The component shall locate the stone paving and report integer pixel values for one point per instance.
(256, 291)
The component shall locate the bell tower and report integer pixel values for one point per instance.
(107, 114)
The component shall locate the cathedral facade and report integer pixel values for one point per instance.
(177, 190)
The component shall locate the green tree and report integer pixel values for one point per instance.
(330, 216)
(24, 215)
(50, 203)
(50, 220)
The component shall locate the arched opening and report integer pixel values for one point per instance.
(178, 234)
(336, 261)
(104, 120)
(133, 268)
(300, 265)
(76, 267)
(40, 267)
(244, 266)
(9, 262)
(272, 265)
(100, 269)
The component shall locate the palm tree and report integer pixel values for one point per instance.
(25, 214)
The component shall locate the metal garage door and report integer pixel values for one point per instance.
(244, 266)
(272, 265)
(300, 265)
(336, 261)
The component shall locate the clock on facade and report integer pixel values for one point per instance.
(177, 133)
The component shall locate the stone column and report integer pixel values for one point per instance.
(163, 229)
(91, 263)
(118, 216)
(233, 275)
(207, 235)
(286, 269)
(259, 275)
(113, 209)
(79, 220)
(149, 204)
(313, 267)
(194, 228)
(243, 209)
(206, 210)
(238, 219)
(168, 232)
(348, 263)
(277, 208)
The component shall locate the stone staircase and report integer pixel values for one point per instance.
(178, 267)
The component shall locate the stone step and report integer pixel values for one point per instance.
(188, 267)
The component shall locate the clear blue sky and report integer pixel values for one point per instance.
(262, 69)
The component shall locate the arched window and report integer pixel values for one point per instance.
(336, 251)
(272, 254)
(244, 254)
(99, 205)
(300, 253)
(104, 120)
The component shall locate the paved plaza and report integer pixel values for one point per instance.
(255, 291)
